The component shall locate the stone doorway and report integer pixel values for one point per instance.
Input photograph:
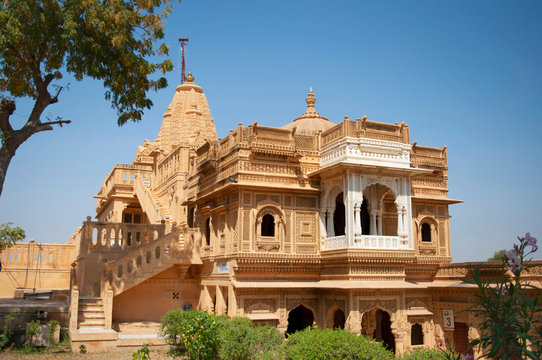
(461, 339)
(338, 319)
(383, 329)
(376, 323)
(298, 319)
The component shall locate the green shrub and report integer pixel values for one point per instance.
(31, 331)
(240, 340)
(8, 334)
(142, 354)
(424, 354)
(52, 327)
(194, 332)
(327, 344)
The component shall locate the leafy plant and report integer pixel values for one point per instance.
(82, 348)
(498, 256)
(142, 354)
(194, 332)
(327, 344)
(433, 354)
(52, 327)
(10, 235)
(240, 340)
(509, 312)
(42, 41)
(31, 331)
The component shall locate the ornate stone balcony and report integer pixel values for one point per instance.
(364, 151)
(372, 242)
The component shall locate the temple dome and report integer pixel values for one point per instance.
(311, 122)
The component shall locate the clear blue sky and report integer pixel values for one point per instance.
(467, 74)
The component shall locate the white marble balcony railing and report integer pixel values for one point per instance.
(379, 242)
(335, 242)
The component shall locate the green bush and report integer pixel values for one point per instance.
(424, 354)
(142, 354)
(240, 340)
(52, 327)
(327, 344)
(31, 331)
(194, 332)
(8, 334)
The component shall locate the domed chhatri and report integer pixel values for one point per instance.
(311, 122)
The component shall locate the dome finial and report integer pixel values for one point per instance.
(311, 100)
(189, 77)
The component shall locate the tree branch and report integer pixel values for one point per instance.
(47, 125)
(54, 99)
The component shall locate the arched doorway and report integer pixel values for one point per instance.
(338, 319)
(338, 216)
(365, 218)
(298, 319)
(383, 330)
(376, 323)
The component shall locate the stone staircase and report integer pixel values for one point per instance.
(91, 313)
(146, 261)
(151, 203)
(164, 210)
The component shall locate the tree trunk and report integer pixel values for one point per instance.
(11, 144)
(6, 154)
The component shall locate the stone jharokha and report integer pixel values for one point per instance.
(336, 224)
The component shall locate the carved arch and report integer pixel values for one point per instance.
(331, 195)
(434, 227)
(269, 243)
(331, 313)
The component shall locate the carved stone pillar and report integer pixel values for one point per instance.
(206, 303)
(400, 230)
(372, 214)
(220, 307)
(399, 329)
(379, 221)
(74, 308)
(357, 219)
(232, 302)
(330, 229)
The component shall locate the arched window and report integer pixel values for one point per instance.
(268, 225)
(338, 216)
(426, 232)
(416, 335)
(208, 231)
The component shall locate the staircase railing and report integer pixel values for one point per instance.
(147, 202)
(99, 237)
(144, 262)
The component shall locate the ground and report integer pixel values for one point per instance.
(65, 355)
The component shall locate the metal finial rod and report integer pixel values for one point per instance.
(182, 42)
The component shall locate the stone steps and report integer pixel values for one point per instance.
(91, 313)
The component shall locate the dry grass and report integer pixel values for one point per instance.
(65, 355)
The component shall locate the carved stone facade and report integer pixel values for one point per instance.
(342, 225)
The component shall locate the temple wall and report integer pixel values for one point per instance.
(151, 299)
(35, 266)
(296, 222)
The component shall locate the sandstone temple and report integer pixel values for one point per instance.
(340, 224)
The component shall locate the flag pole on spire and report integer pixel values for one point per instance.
(182, 42)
